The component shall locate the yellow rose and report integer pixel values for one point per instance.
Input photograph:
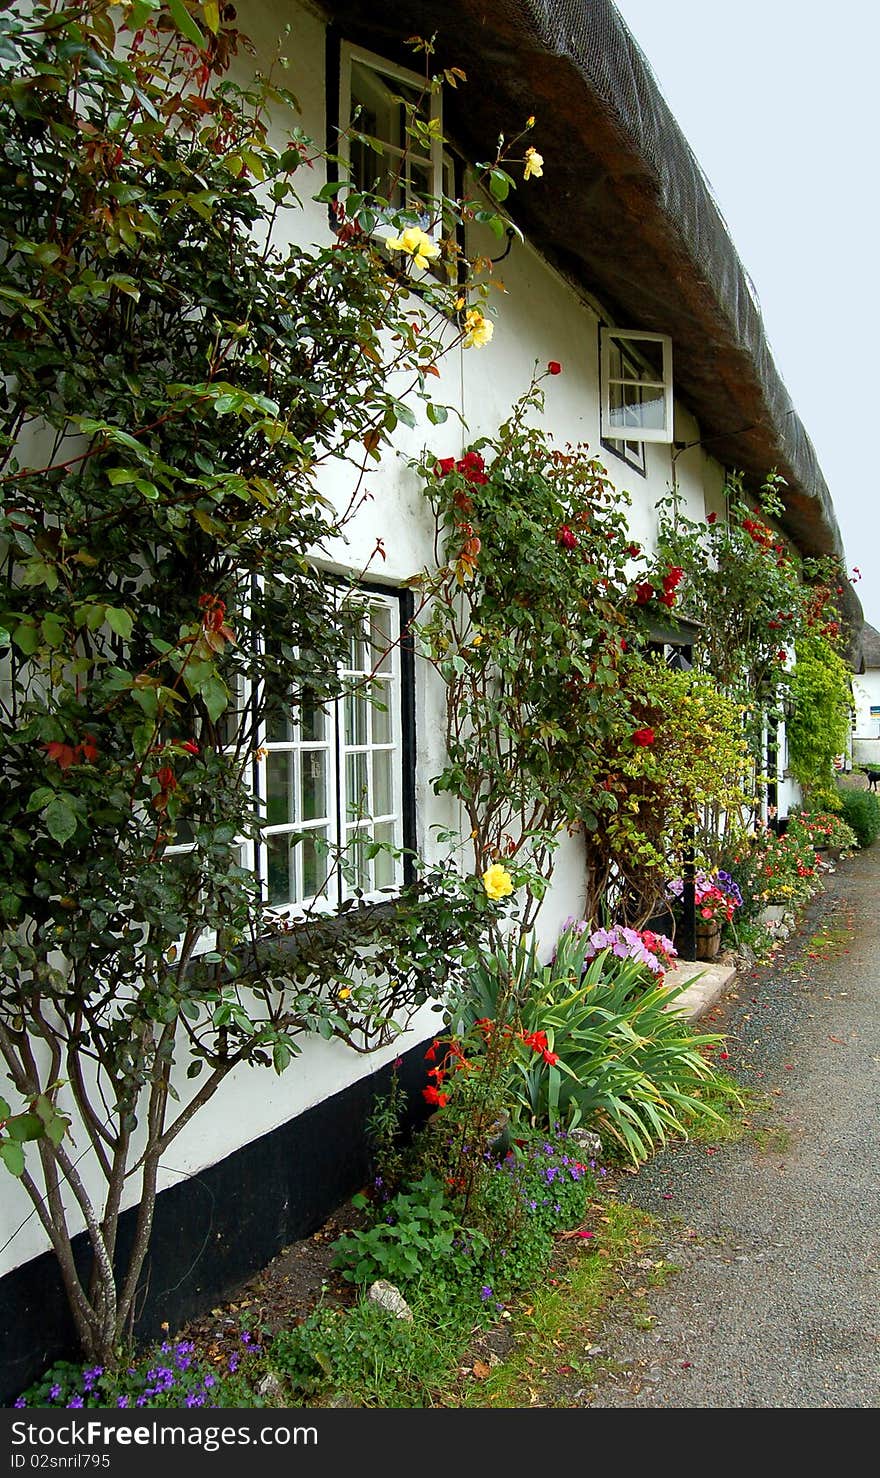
(417, 244)
(477, 329)
(497, 882)
(534, 165)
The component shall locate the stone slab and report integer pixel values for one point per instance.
(704, 982)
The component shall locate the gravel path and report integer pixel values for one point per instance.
(777, 1303)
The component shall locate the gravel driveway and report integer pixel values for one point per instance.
(777, 1303)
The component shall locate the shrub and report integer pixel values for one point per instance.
(861, 811)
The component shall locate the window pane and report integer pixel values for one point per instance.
(381, 717)
(314, 863)
(356, 798)
(279, 729)
(380, 638)
(639, 405)
(384, 865)
(314, 784)
(356, 718)
(312, 720)
(281, 869)
(280, 791)
(383, 803)
(358, 865)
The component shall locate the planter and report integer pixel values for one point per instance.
(707, 938)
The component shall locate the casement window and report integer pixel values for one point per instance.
(380, 157)
(333, 789)
(635, 387)
(333, 786)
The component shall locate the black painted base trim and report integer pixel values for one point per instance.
(213, 1230)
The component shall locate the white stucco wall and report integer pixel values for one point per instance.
(540, 317)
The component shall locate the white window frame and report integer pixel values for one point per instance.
(338, 824)
(613, 431)
(390, 71)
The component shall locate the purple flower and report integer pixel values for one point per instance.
(121, 1400)
(485, 1293)
(19, 1402)
(194, 1399)
(209, 1382)
(55, 1392)
(233, 1364)
(76, 1401)
(90, 1376)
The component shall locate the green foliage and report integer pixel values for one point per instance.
(594, 1045)
(860, 810)
(666, 797)
(819, 725)
(416, 1234)
(175, 373)
(753, 597)
(524, 626)
(369, 1357)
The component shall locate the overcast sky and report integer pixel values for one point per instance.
(778, 100)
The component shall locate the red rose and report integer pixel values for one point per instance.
(667, 599)
(644, 593)
(633, 550)
(472, 467)
(672, 578)
(444, 467)
(554, 367)
(711, 517)
(566, 537)
(643, 737)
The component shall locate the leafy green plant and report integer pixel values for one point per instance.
(419, 1232)
(176, 370)
(860, 810)
(818, 726)
(597, 1044)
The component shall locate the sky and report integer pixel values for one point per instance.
(778, 101)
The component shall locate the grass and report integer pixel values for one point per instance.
(555, 1324)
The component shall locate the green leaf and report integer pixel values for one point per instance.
(499, 184)
(437, 414)
(185, 23)
(215, 696)
(60, 819)
(12, 1156)
(120, 621)
(24, 1126)
(5, 1110)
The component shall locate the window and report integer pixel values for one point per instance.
(379, 101)
(636, 387)
(331, 783)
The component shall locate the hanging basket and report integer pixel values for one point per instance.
(707, 938)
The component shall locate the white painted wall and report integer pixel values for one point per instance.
(539, 318)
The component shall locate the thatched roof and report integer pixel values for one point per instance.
(869, 648)
(623, 208)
